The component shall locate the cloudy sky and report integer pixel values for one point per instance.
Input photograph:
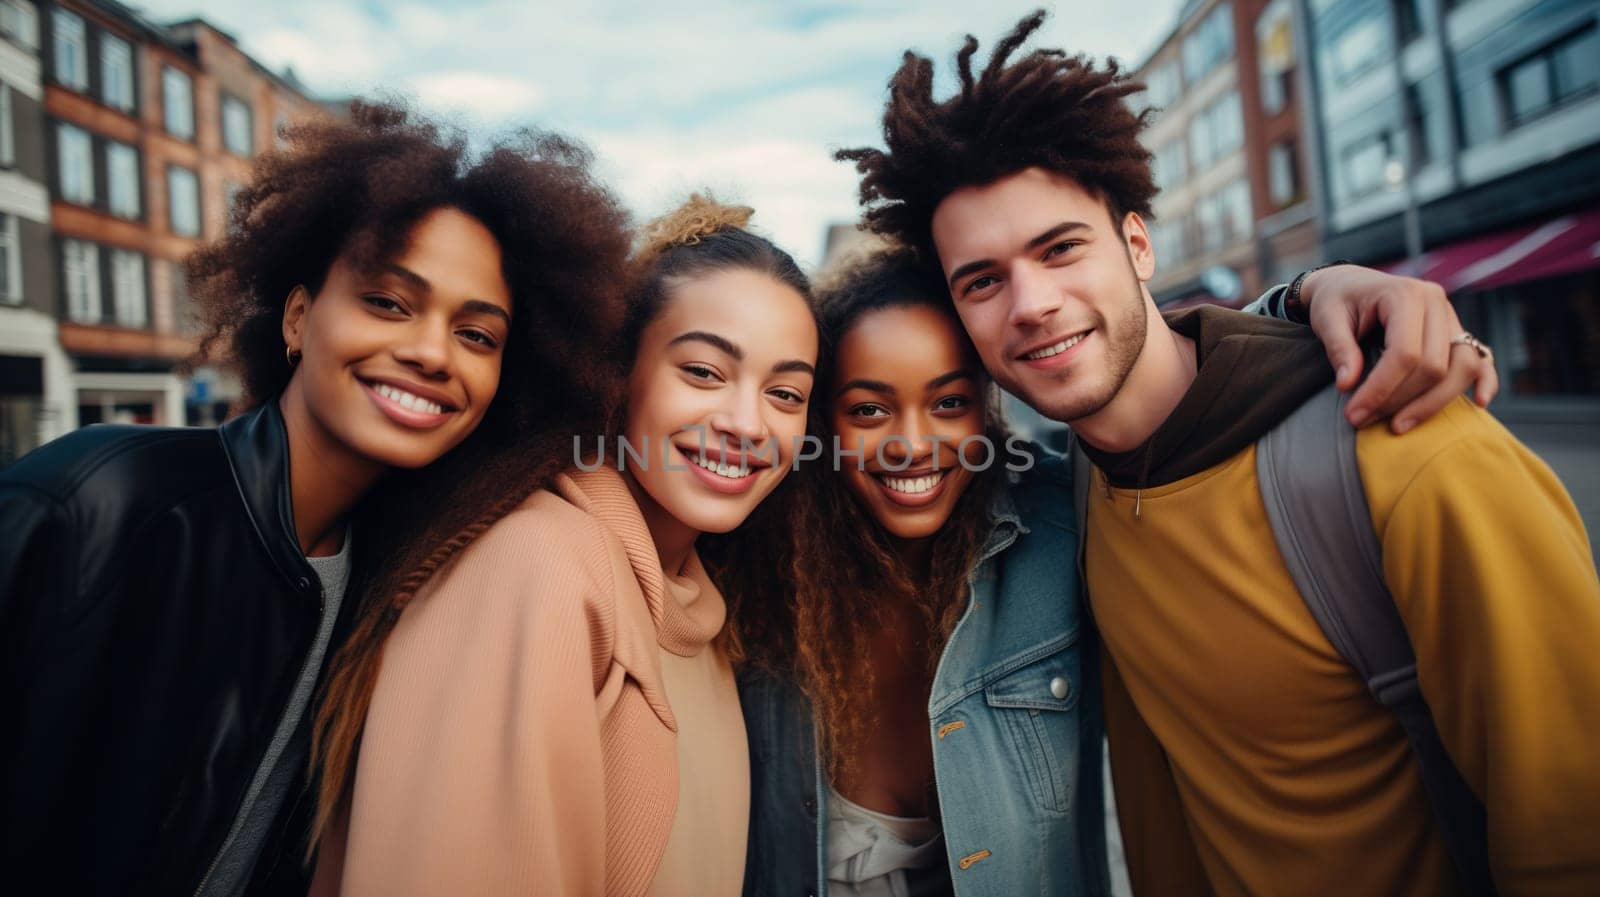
(747, 98)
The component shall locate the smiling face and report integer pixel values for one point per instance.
(730, 357)
(908, 394)
(398, 365)
(1049, 288)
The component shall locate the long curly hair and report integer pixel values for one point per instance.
(814, 625)
(1046, 109)
(355, 189)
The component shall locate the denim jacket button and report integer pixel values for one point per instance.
(811, 806)
(1058, 687)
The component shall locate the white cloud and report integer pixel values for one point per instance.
(492, 98)
(795, 186)
(748, 97)
(331, 46)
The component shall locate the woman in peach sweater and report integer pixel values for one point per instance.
(553, 714)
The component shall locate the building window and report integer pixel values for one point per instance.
(122, 177)
(1275, 90)
(1423, 127)
(71, 49)
(1167, 239)
(177, 103)
(1169, 166)
(10, 261)
(128, 288)
(1408, 20)
(8, 134)
(80, 275)
(1360, 48)
(280, 125)
(1364, 162)
(1528, 88)
(1224, 216)
(1551, 333)
(1162, 85)
(116, 72)
(1208, 45)
(75, 164)
(1275, 49)
(1577, 63)
(237, 133)
(1236, 217)
(19, 22)
(1555, 74)
(1216, 131)
(1208, 221)
(1283, 175)
(183, 201)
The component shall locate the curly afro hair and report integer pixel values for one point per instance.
(1046, 110)
(355, 190)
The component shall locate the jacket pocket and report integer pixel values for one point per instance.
(1037, 707)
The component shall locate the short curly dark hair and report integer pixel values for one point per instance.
(1047, 110)
(357, 187)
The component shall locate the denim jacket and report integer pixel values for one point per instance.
(1013, 716)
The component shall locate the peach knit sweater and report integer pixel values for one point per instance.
(519, 739)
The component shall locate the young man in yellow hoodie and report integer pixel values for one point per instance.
(1249, 757)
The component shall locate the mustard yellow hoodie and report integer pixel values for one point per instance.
(1248, 758)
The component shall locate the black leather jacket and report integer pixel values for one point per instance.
(155, 611)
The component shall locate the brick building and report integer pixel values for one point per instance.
(149, 129)
(1204, 224)
(35, 374)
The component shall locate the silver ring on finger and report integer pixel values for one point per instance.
(1467, 339)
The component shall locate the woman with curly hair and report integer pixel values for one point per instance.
(168, 597)
(930, 580)
(553, 712)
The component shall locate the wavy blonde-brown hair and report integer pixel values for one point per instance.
(700, 216)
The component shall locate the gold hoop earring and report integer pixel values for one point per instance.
(291, 356)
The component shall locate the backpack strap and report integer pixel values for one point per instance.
(1311, 485)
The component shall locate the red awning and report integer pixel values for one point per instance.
(1533, 251)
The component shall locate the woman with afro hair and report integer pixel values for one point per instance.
(169, 598)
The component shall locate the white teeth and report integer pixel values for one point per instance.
(407, 400)
(731, 471)
(913, 485)
(1056, 349)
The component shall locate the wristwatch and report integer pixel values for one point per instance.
(1297, 309)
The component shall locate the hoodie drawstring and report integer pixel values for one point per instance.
(1144, 477)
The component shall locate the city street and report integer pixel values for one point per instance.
(1572, 449)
